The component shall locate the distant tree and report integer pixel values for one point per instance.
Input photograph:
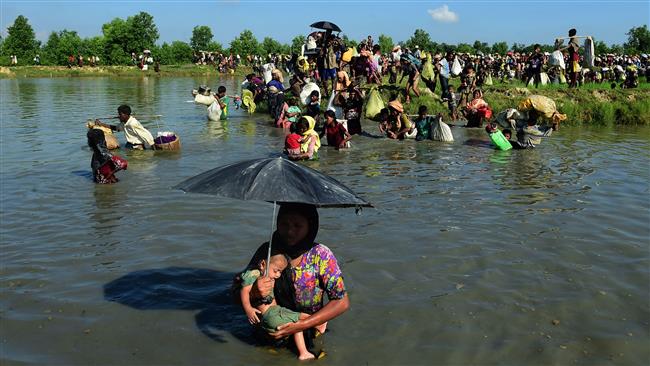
(447, 48)
(481, 47)
(420, 38)
(144, 32)
(123, 37)
(61, 45)
(500, 47)
(464, 48)
(270, 45)
(176, 53)
(296, 43)
(601, 48)
(617, 49)
(214, 47)
(518, 47)
(638, 40)
(117, 38)
(21, 40)
(386, 43)
(93, 46)
(349, 42)
(245, 44)
(201, 37)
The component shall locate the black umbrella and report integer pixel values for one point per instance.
(273, 180)
(326, 26)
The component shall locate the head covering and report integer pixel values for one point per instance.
(342, 80)
(313, 135)
(396, 105)
(97, 143)
(278, 73)
(273, 90)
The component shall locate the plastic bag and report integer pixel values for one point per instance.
(214, 111)
(456, 69)
(338, 111)
(306, 91)
(557, 59)
(375, 104)
(427, 70)
(440, 131)
(266, 72)
(488, 80)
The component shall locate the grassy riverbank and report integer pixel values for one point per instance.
(120, 71)
(595, 104)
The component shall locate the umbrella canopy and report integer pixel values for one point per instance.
(326, 25)
(273, 180)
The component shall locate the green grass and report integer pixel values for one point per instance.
(593, 104)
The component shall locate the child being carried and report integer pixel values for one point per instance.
(273, 315)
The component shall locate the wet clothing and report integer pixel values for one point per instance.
(424, 128)
(292, 143)
(104, 165)
(135, 133)
(276, 316)
(275, 83)
(318, 273)
(335, 134)
(224, 111)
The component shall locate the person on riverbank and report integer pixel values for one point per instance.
(444, 72)
(313, 108)
(352, 104)
(410, 70)
(535, 63)
(104, 165)
(312, 275)
(272, 315)
(137, 137)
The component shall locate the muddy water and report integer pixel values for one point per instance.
(472, 256)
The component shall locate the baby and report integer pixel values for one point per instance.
(272, 314)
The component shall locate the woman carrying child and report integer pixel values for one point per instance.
(313, 272)
(310, 141)
(477, 110)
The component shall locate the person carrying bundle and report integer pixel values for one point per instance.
(137, 137)
(103, 164)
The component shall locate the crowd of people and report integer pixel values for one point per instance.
(289, 301)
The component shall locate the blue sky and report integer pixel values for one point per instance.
(457, 21)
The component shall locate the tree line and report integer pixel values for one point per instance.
(122, 37)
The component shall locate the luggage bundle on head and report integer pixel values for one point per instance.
(544, 105)
(204, 99)
(375, 104)
(111, 141)
(167, 141)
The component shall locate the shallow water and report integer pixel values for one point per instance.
(469, 257)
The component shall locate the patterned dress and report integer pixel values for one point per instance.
(317, 273)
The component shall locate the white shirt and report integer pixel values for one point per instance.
(136, 134)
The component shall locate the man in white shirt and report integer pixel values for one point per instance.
(137, 137)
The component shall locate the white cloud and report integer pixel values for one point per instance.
(442, 14)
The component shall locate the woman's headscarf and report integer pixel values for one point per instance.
(310, 132)
(97, 142)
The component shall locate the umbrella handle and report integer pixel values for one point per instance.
(268, 255)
